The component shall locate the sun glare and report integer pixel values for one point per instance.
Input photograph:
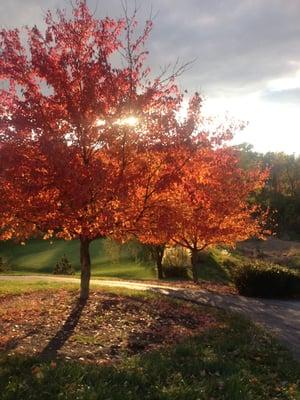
(130, 121)
(100, 122)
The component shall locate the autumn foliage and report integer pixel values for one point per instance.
(213, 203)
(91, 149)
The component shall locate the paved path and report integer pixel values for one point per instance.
(281, 317)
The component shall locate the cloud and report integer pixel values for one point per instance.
(239, 45)
(290, 96)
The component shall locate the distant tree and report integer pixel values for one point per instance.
(157, 253)
(281, 193)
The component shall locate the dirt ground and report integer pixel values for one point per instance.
(103, 330)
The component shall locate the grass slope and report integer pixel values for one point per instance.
(40, 256)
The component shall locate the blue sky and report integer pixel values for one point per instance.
(247, 56)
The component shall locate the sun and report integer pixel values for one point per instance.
(129, 121)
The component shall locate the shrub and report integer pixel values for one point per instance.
(4, 267)
(112, 249)
(230, 264)
(176, 262)
(175, 272)
(63, 267)
(265, 279)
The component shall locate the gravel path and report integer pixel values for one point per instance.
(281, 317)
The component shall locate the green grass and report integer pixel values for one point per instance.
(235, 361)
(40, 256)
(213, 265)
(18, 287)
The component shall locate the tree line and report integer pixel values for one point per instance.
(281, 193)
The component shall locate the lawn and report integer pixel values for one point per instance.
(40, 256)
(134, 345)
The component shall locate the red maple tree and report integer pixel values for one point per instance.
(213, 203)
(86, 146)
(210, 203)
(90, 149)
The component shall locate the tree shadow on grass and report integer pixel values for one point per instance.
(60, 338)
(167, 325)
(14, 342)
(231, 361)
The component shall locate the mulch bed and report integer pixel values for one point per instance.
(105, 329)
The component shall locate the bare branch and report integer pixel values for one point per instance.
(177, 70)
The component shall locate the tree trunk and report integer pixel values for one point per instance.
(158, 253)
(194, 262)
(85, 262)
(160, 273)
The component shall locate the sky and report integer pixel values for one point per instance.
(246, 52)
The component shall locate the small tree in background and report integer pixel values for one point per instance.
(112, 249)
(176, 262)
(4, 266)
(63, 267)
(157, 254)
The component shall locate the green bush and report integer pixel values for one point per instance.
(63, 267)
(176, 262)
(265, 279)
(4, 267)
(176, 256)
(175, 272)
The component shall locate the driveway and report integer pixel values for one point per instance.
(281, 317)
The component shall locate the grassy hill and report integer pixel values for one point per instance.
(128, 261)
(40, 256)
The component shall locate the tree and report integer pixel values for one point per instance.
(213, 202)
(157, 253)
(86, 146)
(281, 193)
(174, 214)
